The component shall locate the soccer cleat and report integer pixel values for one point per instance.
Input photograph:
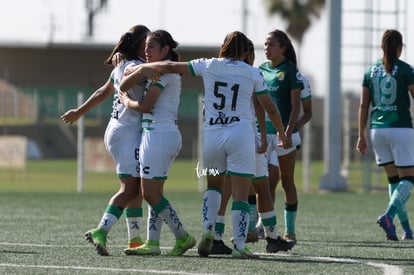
(243, 254)
(279, 244)
(290, 237)
(135, 242)
(220, 248)
(182, 245)
(150, 247)
(386, 223)
(206, 243)
(97, 237)
(260, 232)
(252, 237)
(407, 235)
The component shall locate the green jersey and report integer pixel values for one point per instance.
(281, 80)
(389, 95)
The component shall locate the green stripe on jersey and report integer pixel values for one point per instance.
(190, 67)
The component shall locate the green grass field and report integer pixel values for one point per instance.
(43, 219)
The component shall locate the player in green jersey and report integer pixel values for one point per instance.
(285, 85)
(385, 87)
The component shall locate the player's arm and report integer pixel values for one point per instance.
(171, 67)
(411, 89)
(294, 114)
(145, 106)
(307, 112)
(260, 116)
(362, 143)
(274, 115)
(153, 71)
(95, 99)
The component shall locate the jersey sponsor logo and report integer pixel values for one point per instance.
(223, 119)
(379, 71)
(273, 89)
(388, 108)
(280, 75)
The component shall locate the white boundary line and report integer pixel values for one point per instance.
(387, 269)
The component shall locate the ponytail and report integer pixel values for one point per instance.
(391, 43)
(129, 43)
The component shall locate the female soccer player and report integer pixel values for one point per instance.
(273, 161)
(229, 85)
(285, 84)
(385, 86)
(121, 140)
(260, 188)
(161, 142)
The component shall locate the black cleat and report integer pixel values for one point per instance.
(279, 244)
(220, 248)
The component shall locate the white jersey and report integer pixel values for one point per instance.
(163, 115)
(229, 86)
(122, 136)
(122, 115)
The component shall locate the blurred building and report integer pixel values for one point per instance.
(51, 76)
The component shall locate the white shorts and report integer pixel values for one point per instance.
(393, 145)
(272, 158)
(122, 143)
(261, 162)
(230, 148)
(158, 151)
(262, 169)
(273, 140)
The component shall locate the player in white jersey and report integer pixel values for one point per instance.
(259, 188)
(161, 143)
(228, 131)
(122, 140)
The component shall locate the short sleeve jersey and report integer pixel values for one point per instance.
(123, 115)
(165, 108)
(281, 80)
(389, 95)
(229, 86)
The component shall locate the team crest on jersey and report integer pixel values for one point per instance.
(280, 75)
(223, 119)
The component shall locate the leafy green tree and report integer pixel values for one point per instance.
(297, 13)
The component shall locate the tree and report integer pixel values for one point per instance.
(297, 13)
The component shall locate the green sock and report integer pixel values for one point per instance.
(401, 213)
(290, 217)
(399, 197)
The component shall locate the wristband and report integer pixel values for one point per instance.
(127, 103)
